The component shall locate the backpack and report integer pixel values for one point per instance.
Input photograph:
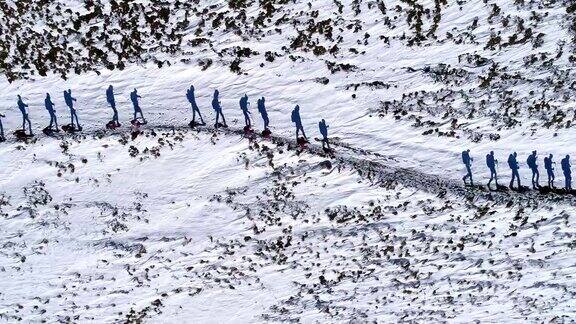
(465, 157)
(489, 161)
(547, 163)
(531, 161)
(323, 128)
(565, 165)
(511, 161)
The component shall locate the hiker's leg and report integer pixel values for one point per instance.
(201, 119)
(29, 124)
(303, 133)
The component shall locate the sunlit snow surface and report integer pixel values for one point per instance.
(207, 227)
(179, 225)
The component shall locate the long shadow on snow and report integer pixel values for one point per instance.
(380, 173)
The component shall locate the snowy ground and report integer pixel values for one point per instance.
(204, 226)
(265, 229)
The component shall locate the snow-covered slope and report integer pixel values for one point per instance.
(181, 225)
(207, 227)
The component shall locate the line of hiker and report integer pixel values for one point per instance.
(74, 120)
(531, 162)
(138, 117)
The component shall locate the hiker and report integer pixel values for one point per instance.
(531, 161)
(112, 102)
(195, 109)
(244, 107)
(70, 103)
(22, 106)
(567, 172)
(298, 121)
(2, 138)
(491, 162)
(513, 164)
(50, 107)
(137, 110)
(263, 112)
(468, 163)
(549, 170)
(324, 131)
(218, 109)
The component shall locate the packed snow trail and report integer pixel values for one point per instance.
(377, 167)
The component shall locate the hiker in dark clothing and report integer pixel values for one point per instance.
(22, 106)
(491, 162)
(549, 170)
(70, 103)
(324, 131)
(513, 164)
(567, 172)
(218, 109)
(531, 161)
(112, 102)
(263, 112)
(137, 110)
(192, 99)
(298, 121)
(50, 108)
(468, 163)
(244, 107)
(2, 138)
